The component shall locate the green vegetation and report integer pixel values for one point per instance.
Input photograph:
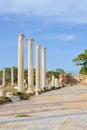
(9, 89)
(60, 71)
(4, 100)
(81, 60)
(22, 96)
(51, 73)
(55, 73)
(8, 74)
(23, 115)
(13, 90)
(48, 74)
(83, 70)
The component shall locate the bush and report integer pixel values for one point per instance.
(22, 96)
(9, 89)
(4, 100)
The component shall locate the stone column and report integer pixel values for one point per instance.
(56, 82)
(43, 68)
(12, 77)
(4, 78)
(53, 81)
(30, 66)
(40, 76)
(37, 69)
(21, 62)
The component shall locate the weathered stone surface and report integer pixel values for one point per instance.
(43, 75)
(38, 87)
(14, 98)
(30, 65)
(9, 94)
(67, 80)
(20, 62)
(63, 109)
(3, 93)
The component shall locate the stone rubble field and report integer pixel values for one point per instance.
(63, 109)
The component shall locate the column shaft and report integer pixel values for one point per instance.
(43, 68)
(37, 68)
(20, 62)
(53, 80)
(30, 65)
(56, 82)
(12, 77)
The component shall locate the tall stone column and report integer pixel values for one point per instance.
(40, 76)
(4, 78)
(30, 66)
(21, 62)
(53, 80)
(37, 69)
(43, 68)
(56, 82)
(12, 77)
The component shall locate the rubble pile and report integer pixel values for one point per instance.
(67, 80)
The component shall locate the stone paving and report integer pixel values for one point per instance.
(64, 109)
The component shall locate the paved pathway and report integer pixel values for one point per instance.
(64, 109)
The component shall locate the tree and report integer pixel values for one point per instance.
(52, 73)
(60, 71)
(83, 70)
(81, 60)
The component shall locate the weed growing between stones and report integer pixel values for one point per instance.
(23, 115)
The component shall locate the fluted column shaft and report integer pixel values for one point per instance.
(43, 68)
(37, 68)
(20, 62)
(30, 65)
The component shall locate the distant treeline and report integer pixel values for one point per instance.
(49, 73)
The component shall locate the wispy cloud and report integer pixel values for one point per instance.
(64, 37)
(57, 10)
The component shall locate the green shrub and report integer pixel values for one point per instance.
(9, 89)
(4, 100)
(22, 96)
(23, 115)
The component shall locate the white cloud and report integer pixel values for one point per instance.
(56, 10)
(64, 37)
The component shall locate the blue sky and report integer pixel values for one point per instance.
(58, 25)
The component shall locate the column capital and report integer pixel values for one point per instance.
(38, 45)
(20, 35)
(31, 39)
(44, 48)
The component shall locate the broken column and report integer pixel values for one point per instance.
(43, 68)
(53, 81)
(4, 78)
(21, 62)
(30, 66)
(56, 82)
(37, 69)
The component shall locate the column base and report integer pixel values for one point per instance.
(44, 89)
(30, 91)
(37, 93)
